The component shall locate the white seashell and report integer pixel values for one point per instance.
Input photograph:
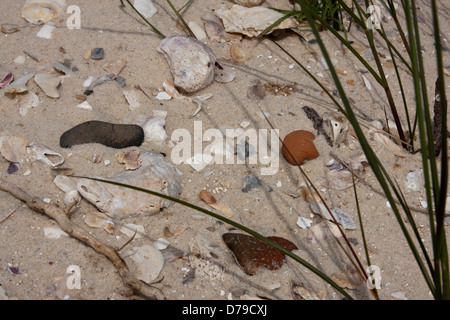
(48, 84)
(252, 21)
(72, 198)
(205, 257)
(145, 7)
(19, 85)
(322, 231)
(46, 31)
(132, 98)
(99, 220)
(31, 101)
(65, 183)
(84, 105)
(224, 75)
(41, 11)
(144, 262)
(131, 230)
(156, 173)
(154, 130)
(13, 148)
(414, 180)
(304, 222)
(40, 152)
(191, 62)
(198, 32)
(161, 244)
(53, 233)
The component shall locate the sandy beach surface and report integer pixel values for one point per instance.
(35, 266)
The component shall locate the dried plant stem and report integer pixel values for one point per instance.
(36, 204)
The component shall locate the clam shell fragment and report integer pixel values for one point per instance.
(191, 62)
(252, 21)
(156, 173)
(40, 11)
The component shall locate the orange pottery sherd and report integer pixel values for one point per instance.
(301, 146)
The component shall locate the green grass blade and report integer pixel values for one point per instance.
(159, 33)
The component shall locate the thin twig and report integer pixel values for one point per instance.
(57, 214)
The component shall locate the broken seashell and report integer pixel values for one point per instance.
(349, 279)
(132, 98)
(130, 158)
(215, 31)
(161, 244)
(48, 84)
(31, 100)
(170, 89)
(145, 7)
(46, 31)
(239, 54)
(19, 85)
(414, 180)
(322, 231)
(204, 257)
(198, 32)
(72, 198)
(223, 75)
(41, 11)
(65, 183)
(156, 173)
(100, 221)
(154, 131)
(144, 262)
(252, 21)
(40, 152)
(336, 127)
(304, 222)
(207, 197)
(53, 233)
(6, 80)
(133, 230)
(191, 62)
(385, 140)
(61, 67)
(251, 253)
(13, 148)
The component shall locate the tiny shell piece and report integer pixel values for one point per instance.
(41, 11)
(19, 85)
(13, 148)
(41, 151)
(130, 158)
(191, 62)
(207, 197)
(48, 84)
(156, 173)
(145, 262)
(252, 21)
(6, 80)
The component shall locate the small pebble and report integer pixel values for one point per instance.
(97, 54)
(120, 80)
(250, 183)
